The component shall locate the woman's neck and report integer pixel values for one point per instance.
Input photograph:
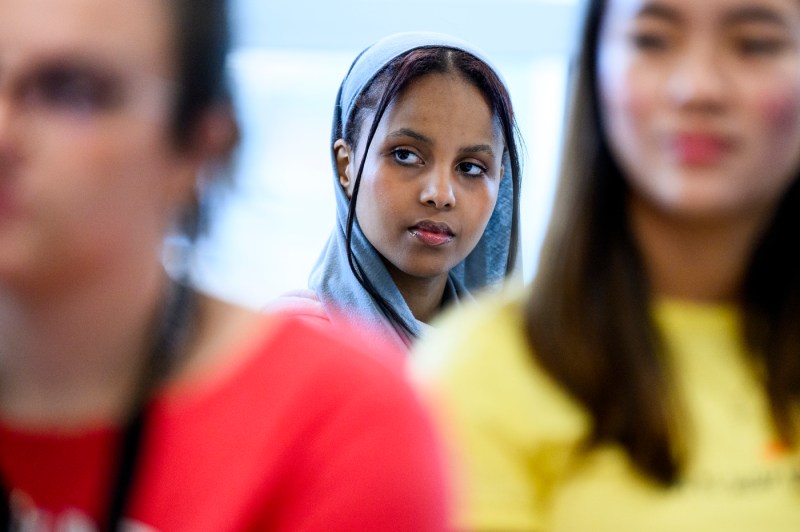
(423, 295)
(695, 259)
(76, 356)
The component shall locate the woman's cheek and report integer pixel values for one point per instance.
(781, 110)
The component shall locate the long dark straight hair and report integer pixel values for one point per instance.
(384, 89)
(588, 315)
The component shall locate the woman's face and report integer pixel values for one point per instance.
(701, 102)
(431, 177)
(89, 176)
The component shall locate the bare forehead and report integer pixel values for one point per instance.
(446, 98)
(726, 12)
(131, 32)
(438, 86)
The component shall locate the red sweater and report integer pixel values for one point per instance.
(310, 433)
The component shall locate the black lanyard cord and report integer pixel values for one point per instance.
(174, 328)
(129, 457)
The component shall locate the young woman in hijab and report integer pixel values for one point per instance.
(128, 400)
(650, 378)
(427, 176)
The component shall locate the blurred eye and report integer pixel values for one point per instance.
(760, 46)
(649, 41)
(471, 169)
(71, 89)
(404, 156)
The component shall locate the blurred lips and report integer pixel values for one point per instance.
(700, 149)
(432, 233)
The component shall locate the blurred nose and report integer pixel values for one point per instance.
(437, 190)
(699, 79)
(6, 128)
(8, 131)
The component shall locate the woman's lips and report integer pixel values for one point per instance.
(700, 149)
(432, 233)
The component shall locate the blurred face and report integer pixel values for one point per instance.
(431, 177)
(701, 101)
(88, 175)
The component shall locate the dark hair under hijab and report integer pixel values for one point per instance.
(385, 87)
(588, 315)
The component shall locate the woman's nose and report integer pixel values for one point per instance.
(437, 190)
(699, 80)
(9, 132)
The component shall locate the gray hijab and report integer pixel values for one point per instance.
(332, 279)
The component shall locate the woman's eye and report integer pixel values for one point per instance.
(649, 41)
(404, 156)
(760, 46)
(72, 90)
(471, 169)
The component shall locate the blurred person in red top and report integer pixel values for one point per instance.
(125, 395)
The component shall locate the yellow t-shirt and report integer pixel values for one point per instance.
(515, 434)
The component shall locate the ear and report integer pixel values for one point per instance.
(217, 133)
(344, 157)
(215, 136)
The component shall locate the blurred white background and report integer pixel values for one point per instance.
(288, 61)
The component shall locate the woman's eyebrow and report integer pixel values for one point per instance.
(407, 132)
(474, 148)
(659, 11)
(477, 148)
(749, 14)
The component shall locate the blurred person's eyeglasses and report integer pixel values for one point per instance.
(79, 92)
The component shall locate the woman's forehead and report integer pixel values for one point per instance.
(682, 9)
(447, 98)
